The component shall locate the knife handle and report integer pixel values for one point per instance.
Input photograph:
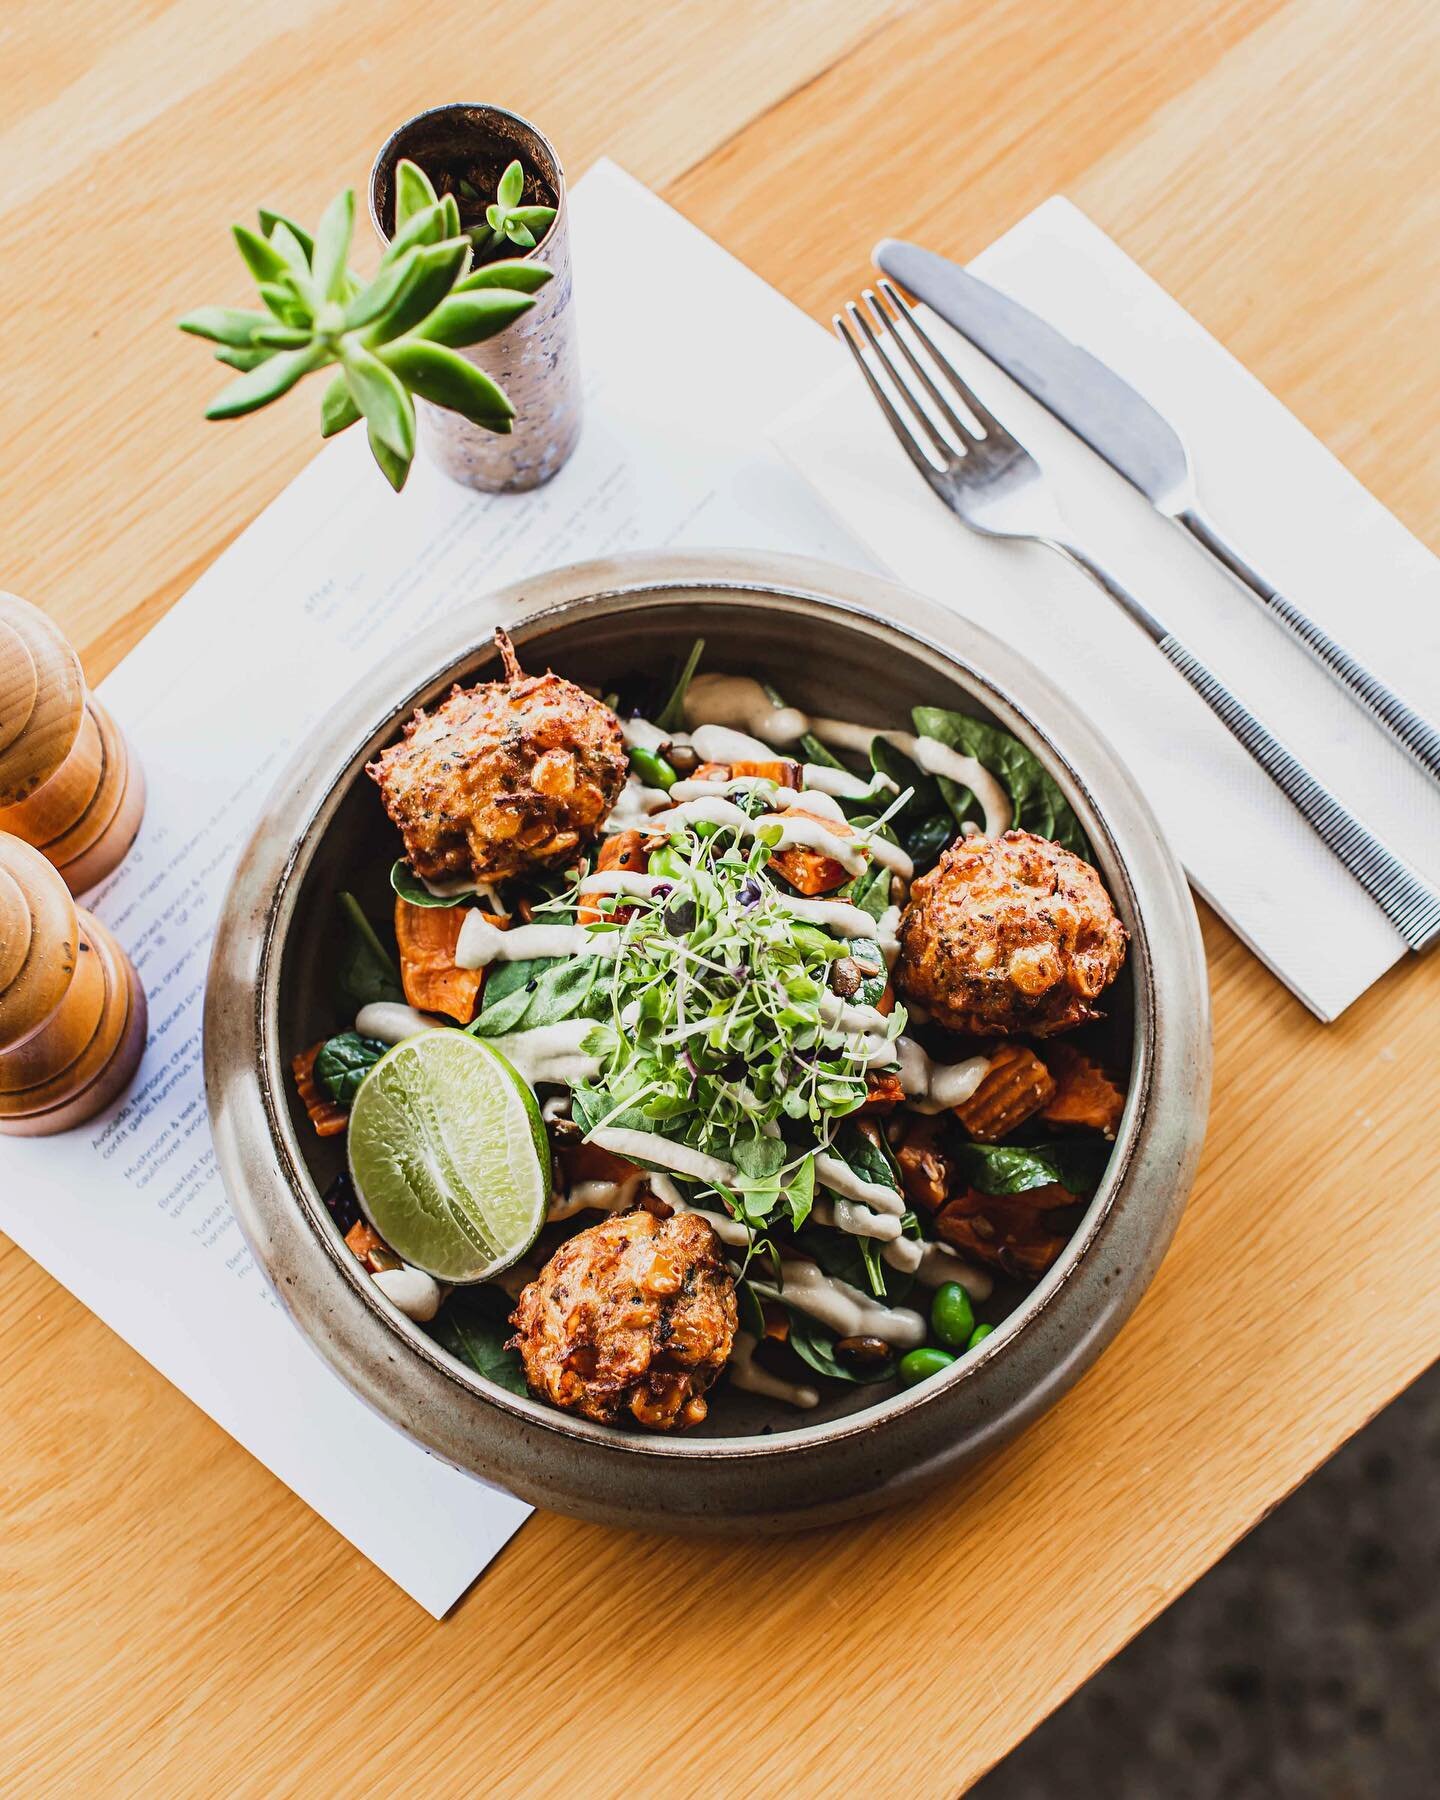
(1415, 734)
(1410, 904)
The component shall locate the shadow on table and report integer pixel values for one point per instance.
(1305, 1664)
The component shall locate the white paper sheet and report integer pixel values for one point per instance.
(128, 1212)
(1287, 504)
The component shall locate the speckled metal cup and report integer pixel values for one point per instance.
(535, 360)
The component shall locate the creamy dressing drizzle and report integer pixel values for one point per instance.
(551, 1053)
(837, 917)
(727, 701)
(934, 1264)
(857, 1020)
(596, 1196)
(933, 1087)
(480, 943)
(640, 734)
(821, 778)
(391, 1022)
(634, 806)
(847, 1311)
(746, 1373)
(624, 881)
(797, 828)
(649, 1146)
(858, 1220)
(841, 1179)
(729, 1231)
(780, 798)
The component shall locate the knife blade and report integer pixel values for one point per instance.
(1139, 443)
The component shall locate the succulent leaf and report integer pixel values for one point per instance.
(385, 291)
(242, 359)
(520, 234)
(414, 191)
(297, 254)
(511, 186)
(262, 259)
(464, 319)
(395, 469)
(338, 410)
(536, 217)
(224, 325)
(284, 302)
(381, 396)
(523, 277)
(274, 377)
(446, 378)
(281, 337)
(450, 207)
(270, 219)
(423, 228)
(437, 268)
(332, 245)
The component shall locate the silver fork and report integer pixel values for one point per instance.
(995, 486)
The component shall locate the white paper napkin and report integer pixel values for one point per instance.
(1281, 498)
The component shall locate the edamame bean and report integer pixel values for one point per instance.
(979, 1335)
(952, 1318)
(652, 769)
(667, 862)
(920, 1365)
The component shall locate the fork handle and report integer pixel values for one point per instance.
(1410, 904)
(1414, 733)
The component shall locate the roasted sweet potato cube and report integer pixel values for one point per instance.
(779, 770)
(1016, 1086)
(883, 1092)
(366, 1242)
(811, 871)
(426, 937)
(1084, 1094)
(326, 1115)
(620, 850)
(1017, 1233)
(927, 1174)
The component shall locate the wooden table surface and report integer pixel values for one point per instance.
(172, 1619)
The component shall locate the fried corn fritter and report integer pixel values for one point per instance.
(1014, 935)
(635, 1313)
(506, 778)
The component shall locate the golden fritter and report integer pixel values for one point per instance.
(1014, 935)
(637, 1312)
(505, 778)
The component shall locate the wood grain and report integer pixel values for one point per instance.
(173, 1619)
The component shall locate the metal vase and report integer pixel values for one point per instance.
(535, 360)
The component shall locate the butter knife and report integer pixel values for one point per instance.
(1120, 425)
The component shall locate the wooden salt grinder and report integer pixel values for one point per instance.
(72, 1011)
(68, 784)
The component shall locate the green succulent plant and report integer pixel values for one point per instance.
(507, 223)
(392, 338)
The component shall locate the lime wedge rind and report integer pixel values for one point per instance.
(449, 1156)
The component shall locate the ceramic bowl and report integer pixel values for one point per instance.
(832, 640)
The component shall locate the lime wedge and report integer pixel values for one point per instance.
(449, 1156)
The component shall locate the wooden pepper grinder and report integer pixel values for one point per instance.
(68, 784)
(72, 1011)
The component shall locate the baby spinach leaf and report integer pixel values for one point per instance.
(344, 1062)
(752, 1313)
(367, 973)
(869, 1158)
(1038, 802)
(815, 1347)
(1075, 1165)
(535, 993)
(408, 885)
(473, 1326)
(671, 716)
(924, 824)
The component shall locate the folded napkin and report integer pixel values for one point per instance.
(1280, 496)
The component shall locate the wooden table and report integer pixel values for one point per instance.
(173, 1620)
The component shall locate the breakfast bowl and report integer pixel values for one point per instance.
(833, 641)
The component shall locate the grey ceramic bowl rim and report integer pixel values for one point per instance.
(251, 1119)
(388, 152)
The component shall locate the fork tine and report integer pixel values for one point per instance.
(903, 388)
(982, 414)
(965, 432)
(908, 441)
